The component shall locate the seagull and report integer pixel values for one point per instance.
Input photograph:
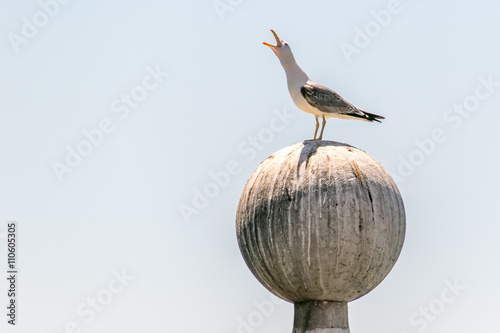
(312, 97)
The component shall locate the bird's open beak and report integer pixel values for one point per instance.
(278, 42)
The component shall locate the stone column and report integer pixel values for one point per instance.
(320, 224)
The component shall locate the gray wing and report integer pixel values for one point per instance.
(328, 101)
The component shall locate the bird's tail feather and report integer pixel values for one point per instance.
(373, 117)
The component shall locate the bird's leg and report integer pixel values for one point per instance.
(317, 126)
(322, 128)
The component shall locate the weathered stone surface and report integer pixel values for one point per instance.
(320, 317)
(320, 221)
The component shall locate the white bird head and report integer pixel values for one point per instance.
(281, 49)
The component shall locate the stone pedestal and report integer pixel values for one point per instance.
(319, 224)
(320, 316)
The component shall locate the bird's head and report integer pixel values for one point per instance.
(281, 49)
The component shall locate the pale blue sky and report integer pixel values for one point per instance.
(172, 93)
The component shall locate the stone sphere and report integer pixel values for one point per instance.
(320, 220)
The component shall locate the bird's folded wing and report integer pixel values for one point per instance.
(327, 100)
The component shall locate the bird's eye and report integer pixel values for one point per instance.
(286, 43)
